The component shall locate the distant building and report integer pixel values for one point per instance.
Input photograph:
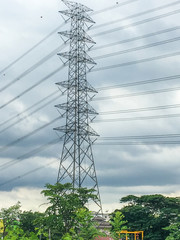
(103, 225)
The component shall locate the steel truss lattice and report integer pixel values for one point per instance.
(77, 162)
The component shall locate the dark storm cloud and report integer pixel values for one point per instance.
(154, 167)
(43, 170)
(140, 176)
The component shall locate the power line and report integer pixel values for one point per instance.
(138, 48)
(52, 53)
(26, 174)
(27, 135)
(31, 171)
(137, 94)
(30, 114)
(55, 31)
(118, 96)
(135, 38)
(33, 86)
(141, 137)
(136, 62)
(29, 108)
(132, 84)
(32, 48)
(113, 7)
(29, 154)
(99, 89)
(139, 143)
(141, 109)
(62, 46)
(138, 23)
(108, 67)
(137, 118)
(136, 15)
(101, 113)
(100, 57)
(97, 143)
(32, 68)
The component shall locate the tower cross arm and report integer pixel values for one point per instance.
(64, 55)
(66, 13)
(89, 60)
(73, 13)
(73, 5)
(67, 34)
(88, 39)
(87, 18)
(84, 38)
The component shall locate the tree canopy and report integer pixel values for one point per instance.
(10, 216)
(66, 209)
(151, 213)
(68, 218)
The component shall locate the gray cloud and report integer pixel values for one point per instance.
(24, 24)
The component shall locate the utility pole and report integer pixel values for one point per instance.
(77, 162)
(49, 234)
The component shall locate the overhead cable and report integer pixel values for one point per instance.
(46, 58)
(144, 60)
(3, 148)
(32, 48)
(135, 38)
(52, 54)
(137, 48)
(29, 154)
(117, 5)
(137, 94)
(55, 31)
(137, 23)
(132, 84)
(124, 85)
(33, 86)
(29, 108)
(137, 118)
(105, 24)
(139, 143)
(109, 55)
(32, 68)
(171, 135)
(27, 173)
(136, 15)
(141, 109)
(30, 114)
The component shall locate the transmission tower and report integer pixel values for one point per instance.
(77, 162)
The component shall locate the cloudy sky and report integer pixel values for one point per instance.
(137, 77)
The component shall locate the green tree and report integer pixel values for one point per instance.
(10, 217)
(19, 225)
(84, 226)
(64, 202)
(117, 224)
(174, 230)
(29, 222)
(151, 213)
(18, 234)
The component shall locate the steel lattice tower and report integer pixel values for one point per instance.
(77, 162)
